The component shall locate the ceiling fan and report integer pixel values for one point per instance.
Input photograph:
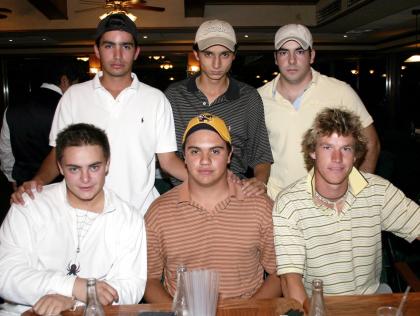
(3, 11)
(120, 5)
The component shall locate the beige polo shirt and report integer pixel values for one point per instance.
(286, 125)
(343, 249)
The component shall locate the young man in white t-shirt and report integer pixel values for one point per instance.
(71, 231)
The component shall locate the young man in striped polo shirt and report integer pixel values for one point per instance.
(328, 224)
(238, 104)
(207, 222)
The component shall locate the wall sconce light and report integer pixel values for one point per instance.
(94, 64)
(354, 72)
(193, 66)
(166, 65)
(415, 58)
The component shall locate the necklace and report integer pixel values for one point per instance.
(334, 203)
(84, 220)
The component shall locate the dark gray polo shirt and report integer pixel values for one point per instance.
(242, 109)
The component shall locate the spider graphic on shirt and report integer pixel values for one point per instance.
(73, 269)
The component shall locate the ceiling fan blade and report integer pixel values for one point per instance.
(5, 10)
(97, 2)
(88, 9)
(139, 6)
(3, 16)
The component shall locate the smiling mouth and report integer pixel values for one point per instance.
(205, 172)
(85, 188)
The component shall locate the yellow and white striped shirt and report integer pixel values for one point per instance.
(343, 249)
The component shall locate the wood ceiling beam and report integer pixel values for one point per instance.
(52, 9)
(194, 8)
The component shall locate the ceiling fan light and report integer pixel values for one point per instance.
(132, 17)
(103, 16)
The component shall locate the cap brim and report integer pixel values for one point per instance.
(302, 43)
(202, 126)
(206, 43)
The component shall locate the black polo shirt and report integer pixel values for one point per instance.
(242, 109)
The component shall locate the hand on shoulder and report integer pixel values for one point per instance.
(27, 187)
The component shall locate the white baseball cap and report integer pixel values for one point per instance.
(293, 32)
(215, 32)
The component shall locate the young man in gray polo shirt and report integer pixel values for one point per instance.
(214, 91)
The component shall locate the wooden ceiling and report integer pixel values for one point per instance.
(60, 25)
(195, 8)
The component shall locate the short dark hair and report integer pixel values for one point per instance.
(81, 134)
(228, 146)
(195, 47)
(53, 69)
(329, 121)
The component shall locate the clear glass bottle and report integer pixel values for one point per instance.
(317, 300)
(93, 306)
(179, 305)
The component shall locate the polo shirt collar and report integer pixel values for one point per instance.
(97, 83)
(232, 92)
(184, 192)
(52, 87)
(314, 81)
(357, 182)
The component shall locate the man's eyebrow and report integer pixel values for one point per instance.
(117, 43)
(72, 165)
(96, 163)
(287, 50)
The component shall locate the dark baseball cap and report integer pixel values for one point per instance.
(117, 22)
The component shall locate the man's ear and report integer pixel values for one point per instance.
(136, 54)
(196, 55)
(60, 168)
(312, 56)
(230, 155)
(96, 50)
(107, 166)
(313, 155)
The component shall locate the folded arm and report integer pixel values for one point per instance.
(155, 292)
(270, 288)
(173, 165)
(373, 149)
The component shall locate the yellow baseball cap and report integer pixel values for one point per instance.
(210, 122)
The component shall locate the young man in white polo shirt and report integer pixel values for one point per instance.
(72, 231)
(137, 118)
(328, 224)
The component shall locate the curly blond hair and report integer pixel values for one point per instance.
(329, 121)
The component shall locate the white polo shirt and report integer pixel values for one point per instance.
(286, 124)
(139, 124)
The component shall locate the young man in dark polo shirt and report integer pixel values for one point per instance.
(240, 105)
